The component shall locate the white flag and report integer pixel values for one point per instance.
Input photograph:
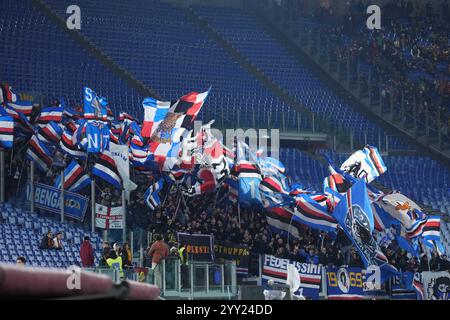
(109, 217)
(120, 155)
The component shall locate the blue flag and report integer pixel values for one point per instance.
(354, 215)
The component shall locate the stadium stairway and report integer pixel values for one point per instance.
(22, 231)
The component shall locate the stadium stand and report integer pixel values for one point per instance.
(244, 33)
(173, 63)
(40, 59)
(22, 232)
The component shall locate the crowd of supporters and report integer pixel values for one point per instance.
(409, 56)
(249, 227)
(210, 214)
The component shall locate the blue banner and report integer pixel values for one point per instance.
(49, 198)
(345, 283)
(401, 287)
(310, 275)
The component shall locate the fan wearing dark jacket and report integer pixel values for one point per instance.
(47, 241)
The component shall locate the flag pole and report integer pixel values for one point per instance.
(92, 203)
(239, 213)
(176, 211)
(62, 195)
(2, 175)
(124, 234)
(290, 225)
(31, 185)
(217, 195)
(11, 160)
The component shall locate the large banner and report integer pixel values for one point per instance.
(49, 198)
(200, 247)
(345, 283)
(109, 217)
(120, 155)
(401, 287)
(436, 285)
(236, 252)
(310, 274)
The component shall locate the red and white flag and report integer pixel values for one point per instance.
(109, 217)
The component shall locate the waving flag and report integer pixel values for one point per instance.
(6, 131)
(154, 112)
(311, 213)
(69, 147)
(366, 163)
(206, 182)
(418, 286)
(189, 106)
(24, 107)
(431, 234)
(270, 166)
(283, 221)
(126, 116)
(92, 106)
(336, 181)
(355, 217)
(21, 122)
(106, 169)
(151, 196)
(75, 178)
(104, 109)
(273, 194)
(49, 114)
(249, 176)
(51, 133)
(39, 154)
(6, 94)
(402, 209)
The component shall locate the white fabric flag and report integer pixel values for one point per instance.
(120, 156)
(109, 217)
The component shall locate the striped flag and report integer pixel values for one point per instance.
(6, 94)
(418, 286)
(20, 120)
(366, 163)
(431, 234)
(50, 114)
(282, 220)
(75, 178)
(126, 116)
(39, 153)
(106, 169)
(151, 196)
(154, 112)
(336, 181)
(6, 131)
(273, 194)
(51, 133)
(68, 146)
(313, 214)
(206, 182)
(24, 107)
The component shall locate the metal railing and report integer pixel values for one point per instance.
(197, 280)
